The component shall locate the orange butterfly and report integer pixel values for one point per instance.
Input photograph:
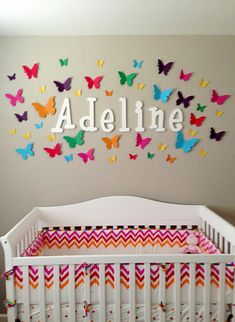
(113, 142)
(109, 93)
(47, 109)
(170, 159)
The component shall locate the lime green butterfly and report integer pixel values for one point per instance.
(201, 107)
(64, 61)
(72, 141)
(126, 78)
(150, 155)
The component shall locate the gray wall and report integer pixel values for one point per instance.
(44, 181)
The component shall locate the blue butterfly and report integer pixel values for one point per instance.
(137, 63)
(27, 151)
(185, 145)
(39, 125)
(68, 157)
(161, 95)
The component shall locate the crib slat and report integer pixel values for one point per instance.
(87, 294)
(71, 293)
(192, 288)
(117, 315)
(177, 292)
(102, 292)
(222, 293)
(41, 290)
(233, 299)
(132, 293)
(25, 270)
(162, 294)
(207, 291)
(57, 293)
(147, 294)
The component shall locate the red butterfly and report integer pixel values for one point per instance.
(132, 156)
(93, 82)
(31, 72)
(218, 99)
(55, 151)
(184, 76)
(196, 121)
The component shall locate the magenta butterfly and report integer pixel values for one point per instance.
(219, 99)
(142, 142)
(93, 82)
(185, 76)
(31, 72)
(87, 156)
(16, 98)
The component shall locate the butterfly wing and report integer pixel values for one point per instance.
(189, 144)
(90, 154)
(167, 68)
(160, 66)
(34, 70)
(130, 79)
(156, 92)
(71, 141)
(166, 94)
(222, 99)
(83, 156)
(180, 98)
(115, 141)
(97, 81)
(23, 153)
(38, 125)
(11, 98)
(40, 109)
(90, 82)
(79, 138)
(50, 106)
(145, 142)
(59, 85)
(123, 77)
(187, 100)
(179, 140)
(29, 149)
(27, 71)
(19, 96)
(138, 139)
(108, 142)
(67, 84)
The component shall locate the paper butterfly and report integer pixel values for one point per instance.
(215, 98)
(31, 72)
(202, 153)
(185, 145)
(54, 151)
(140, 86)
(38, 125)
(219, 113)
(93, 82)
(42, 89)
(201, 108)
(12, 77)
(109, 93)
(161, 95)
(216, 135)
(184, 100)
(66, 86)
(170, 159)
(23, 117)
(17, 98)
(100, 62)
(185, 76)
(203, 83)
(12, 131)
(77, 140)
(87, 156)
(113, 142)
(133, 156)
(28, 151)
(150, 155)
(112, 159)
(164, 68)
(126, 78)
(51, 137)
(137, 63)
(64, 61)
(47, 109)
(192, 132)
(78, 92)
(142, 142)
(68, 157)
(196, 121)
(27, 135)
(162, 147)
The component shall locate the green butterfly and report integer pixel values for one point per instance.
(126, 78)
(150, 155)
(64, 62)
(201, 107)
(72, 141)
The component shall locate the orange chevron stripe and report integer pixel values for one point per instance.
(172, 281)
(94, 281)
(109, 282)
(139, 284)
(216, 283)
(48, 286)
(34, 286)
(186, 281)
(62, 285)
(154, 286)
(124, 284)
(79, 283)
(229, 284)
(200, 282)
(19, 285)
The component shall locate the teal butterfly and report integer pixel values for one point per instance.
(127, 78)
(68, 157)
(201, 107)
(28, 151)
(64, 61)
(185, 145)
(77, 140)
(38, 125)
(161, 95)
(150, 155)
(137, 63)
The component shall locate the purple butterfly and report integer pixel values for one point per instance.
(12, 77)
(164, 68)
(184, 100)
(64, 86)
(216, 135)
(23, 117)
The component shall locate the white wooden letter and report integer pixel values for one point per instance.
(90, 118)
(176, 119)
(140, 117)
(124, 127)
(106, 120)
(157, 119)
(65, 116)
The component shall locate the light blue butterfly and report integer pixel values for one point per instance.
(38, 125)
(137, 63)
(185, 145)
(68, 157)
(27, 151)
(161, 95)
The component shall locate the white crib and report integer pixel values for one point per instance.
(113, 211)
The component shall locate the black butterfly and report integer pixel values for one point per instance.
(12, 77)
(184, 100)
(164, 68)
(216, 135)
(23, 117)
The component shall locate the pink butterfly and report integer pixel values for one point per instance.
(142, 142)
(17, 98)
(53, 152)
(184, 76)
(31, 72)
(218, 99)
(87, 156)
(93, 82)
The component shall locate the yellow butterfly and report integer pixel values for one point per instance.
(51, 137)
(42, 89)
(192, 132)
(27, 135)
(202, 153)
(100, 62)
(219, 113)
(78, 92)
(203, 83)
(162, 147)
(112, 159)
(140, 86)
(12, 131)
